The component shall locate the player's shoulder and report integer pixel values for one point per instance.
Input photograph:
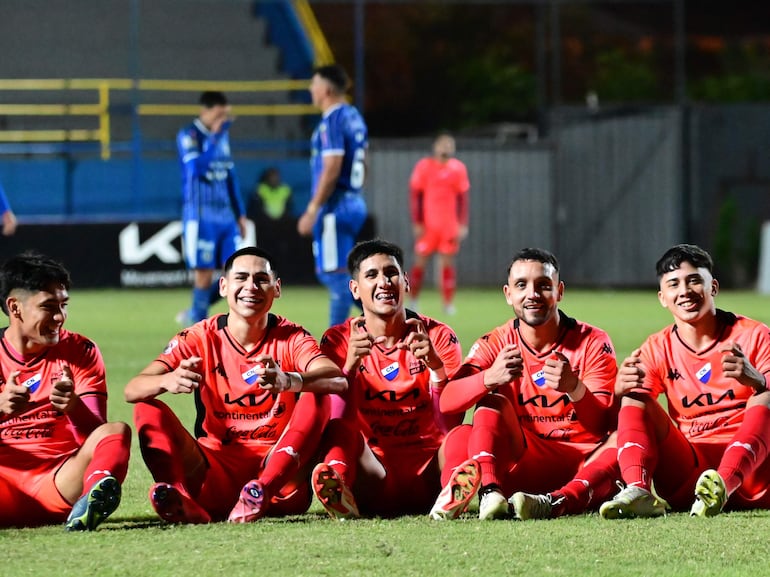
(285, 328)
(76, 341)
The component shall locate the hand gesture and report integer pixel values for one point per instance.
(630, 374)
(306, 222)
(420, 344)
(737, 366)
(185, 378)
(507, 366)
(14, 397)
(558, 373)
(271, 377)
(63, 391)
(360, 344)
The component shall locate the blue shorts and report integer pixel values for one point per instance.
(336, 231)
(207, 244)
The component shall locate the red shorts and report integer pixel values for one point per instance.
(29, 498)
(412, 483)
(228, 470)
(681, 462)
(545, 465)
(442, 240)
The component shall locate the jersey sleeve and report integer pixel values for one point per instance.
(448, 347)
(184, 345)
(195, 162)
(463, 186)
(601, 367)
(759, 350)
(303, 351)
(416, 194)
(88, 373)
(334, 344)
(333, 138)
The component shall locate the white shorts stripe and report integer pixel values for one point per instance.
(329, 253)
(190, 242)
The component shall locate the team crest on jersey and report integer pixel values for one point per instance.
(704, 373)
(32, 383)
(249, 374)
(539, 378)
(170, 346)
(390, 372)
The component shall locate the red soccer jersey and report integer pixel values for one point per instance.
(231, 407)
(391, 389)
(542, 410)
(439, 192)
(40, 432)
(707, 406)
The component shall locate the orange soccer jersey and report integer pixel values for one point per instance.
(391, 390)
(541, 410)
(40, 433)
(707, 406)
(439, 192)
(232, 408)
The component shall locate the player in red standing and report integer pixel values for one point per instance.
(253, 375)
(384, 450)
(56, 446)
(542, 386)
(439, 202)
(713, 368)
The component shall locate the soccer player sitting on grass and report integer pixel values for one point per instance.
(542, 385)
(384, 453)
(254, 376)
(712, 366)
(56, 446)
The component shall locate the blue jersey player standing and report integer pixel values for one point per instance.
(213, 213)
(337, 210)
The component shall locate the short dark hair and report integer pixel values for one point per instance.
(252, 251)
(212, 98)
(673, 258)
(363, 250)
(335, 75)
(536, 254)
(33, 272)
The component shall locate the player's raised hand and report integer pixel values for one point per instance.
(270, 376)
(630, 374)
(737, 366)
(558, 373)
(507, 366)
(14, 397)
(63, 395)
(420, 344)
(360, 343)
(185, 378)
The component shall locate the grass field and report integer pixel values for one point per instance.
(131, 327)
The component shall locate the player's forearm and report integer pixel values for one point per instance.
(326, 185)
(594, 414)
(462, 393)
(327, 379)
(143, 388)
(86, 414)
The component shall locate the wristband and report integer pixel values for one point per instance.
(437, 376)
(578, 392)
(295, 382)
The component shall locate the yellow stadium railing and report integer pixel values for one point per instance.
(101, 109)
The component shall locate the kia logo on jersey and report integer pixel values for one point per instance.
(391, 371)
(704, 373)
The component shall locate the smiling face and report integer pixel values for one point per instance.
(534, 291)
(380, 284)
(37, 317)
(250, 286)
(688, 293)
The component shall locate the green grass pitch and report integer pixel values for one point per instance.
(131, 327)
